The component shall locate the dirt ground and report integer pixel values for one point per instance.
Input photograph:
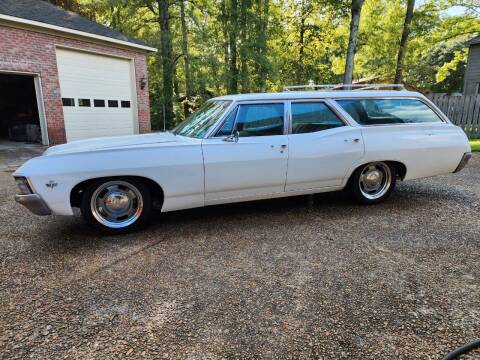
(305, 277)
(13, 154)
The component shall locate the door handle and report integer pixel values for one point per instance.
(280, 147)
(352, 140)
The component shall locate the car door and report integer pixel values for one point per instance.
(247, 157)
(322, 146)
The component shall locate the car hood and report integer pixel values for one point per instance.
(117, 142)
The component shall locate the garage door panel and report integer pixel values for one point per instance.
(90, 76)
(98, 91)
(85, 133)
(95, 87)
(85, 124)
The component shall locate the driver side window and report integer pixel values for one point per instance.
(255, 120)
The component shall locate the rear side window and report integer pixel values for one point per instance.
(388, 111)
(310, 117)
(260, 120)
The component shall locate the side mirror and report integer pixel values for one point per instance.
(233, 138)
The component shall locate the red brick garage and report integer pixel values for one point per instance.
(83, 79)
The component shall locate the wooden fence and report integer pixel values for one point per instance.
(463, 111)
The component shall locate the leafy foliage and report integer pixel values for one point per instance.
(263, 45)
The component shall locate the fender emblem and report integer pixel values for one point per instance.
(51, 184)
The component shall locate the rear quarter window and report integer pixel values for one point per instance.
(388, 111)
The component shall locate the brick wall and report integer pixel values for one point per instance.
(29, 51)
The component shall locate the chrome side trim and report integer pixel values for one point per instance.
(34, 203)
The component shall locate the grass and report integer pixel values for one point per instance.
(475, 144)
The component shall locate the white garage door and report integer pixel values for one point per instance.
(97, 94)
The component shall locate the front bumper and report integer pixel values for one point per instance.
(34, 203)
(463, 162)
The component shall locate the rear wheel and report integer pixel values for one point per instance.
(116, 205)
(373, 183)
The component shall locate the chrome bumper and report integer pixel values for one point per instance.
(34, 203)
(463, 162)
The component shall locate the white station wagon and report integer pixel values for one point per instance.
(249, 147)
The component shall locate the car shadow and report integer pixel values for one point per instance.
(71, 233)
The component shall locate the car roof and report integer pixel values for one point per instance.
(292, 95)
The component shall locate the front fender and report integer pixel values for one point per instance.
(178, 170)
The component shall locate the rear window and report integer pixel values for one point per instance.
(388, 111)
(310, 117)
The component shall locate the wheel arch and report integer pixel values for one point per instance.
(399, 167)
(157, 191)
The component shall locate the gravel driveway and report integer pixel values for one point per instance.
(304, 277)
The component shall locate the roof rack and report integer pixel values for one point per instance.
(344, 87)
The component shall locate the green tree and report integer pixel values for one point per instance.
(213, 47)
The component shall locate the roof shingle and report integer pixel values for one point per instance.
(475, 40)
(45, 12)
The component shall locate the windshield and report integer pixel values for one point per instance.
(198, 124)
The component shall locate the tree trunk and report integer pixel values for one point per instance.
(167, 61)
(263, 68)
(302, 46)
(244, 5)
(403, 41)
(176, 87)
(224, 21)
(352, 41)
(114, 23)
(233, 34)
(186, 56)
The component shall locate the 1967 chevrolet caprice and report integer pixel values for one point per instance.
(248, 147)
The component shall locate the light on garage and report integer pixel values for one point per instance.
(143, 82)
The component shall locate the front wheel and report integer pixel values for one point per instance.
(373, 183)
(116, 205)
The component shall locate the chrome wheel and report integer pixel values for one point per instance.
(375, 180)
(116, 204)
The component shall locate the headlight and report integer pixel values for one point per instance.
(23, 185)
